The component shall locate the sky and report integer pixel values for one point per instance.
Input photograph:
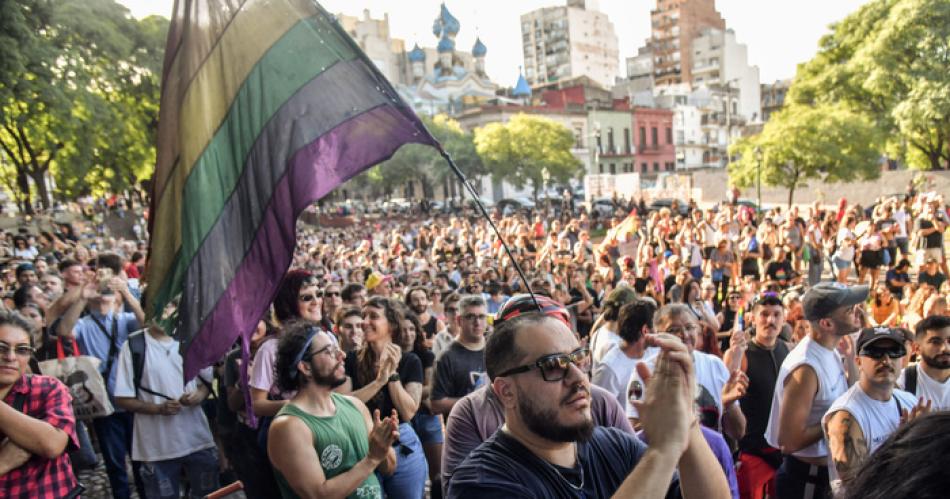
(780, 34)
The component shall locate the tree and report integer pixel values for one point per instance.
(828, 143)
(527, 149)
(77, 94)
(889, 61)
(424, 163)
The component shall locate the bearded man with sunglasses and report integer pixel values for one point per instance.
(549, 446)
(859, 421)
(811, 378)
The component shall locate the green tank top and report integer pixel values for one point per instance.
(340, 440)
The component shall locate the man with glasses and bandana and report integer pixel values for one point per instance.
(36, 422)
(322, 443)
(460, 369)
(859, 421)
(811, 378)
(549, 446)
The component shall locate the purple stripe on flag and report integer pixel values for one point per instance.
(315, 170)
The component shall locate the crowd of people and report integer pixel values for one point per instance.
(717, 352)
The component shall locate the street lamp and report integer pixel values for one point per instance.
(758, 174)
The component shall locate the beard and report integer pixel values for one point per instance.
(419, 310)
(941, 361)
(844, 327)
(544, 421)
(328, 379)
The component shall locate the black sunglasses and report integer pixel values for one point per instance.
(554, 367)
(878, 353)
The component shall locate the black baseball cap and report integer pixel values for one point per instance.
(826, 297)
(874, 334)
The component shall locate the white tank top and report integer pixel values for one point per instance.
(876, 419)
(832, 383)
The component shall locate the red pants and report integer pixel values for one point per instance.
(755, 477)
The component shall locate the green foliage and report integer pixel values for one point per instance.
(526, 149)
(424, 164)
(78, 95)
(889, 61)
(801, 142)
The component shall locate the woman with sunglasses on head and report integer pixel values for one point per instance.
(385, 374)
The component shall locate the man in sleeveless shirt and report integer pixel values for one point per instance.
(859, 421)
(321, 443)
(761, 359)
(418, 301)
(811, 378)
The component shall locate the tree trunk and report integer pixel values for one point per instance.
(39, 178)
(24, 199)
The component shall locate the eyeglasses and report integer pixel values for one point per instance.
(307, 298)
(474, 317)
(331, 350)
(331, 293)
(554, 367)
(451, 310)
(679, 331)
(878, 353)
(19, 350)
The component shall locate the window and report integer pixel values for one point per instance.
(579, 137)
(601, 166)
(654, 135)
(599, 148)
(613, 168)
(656, 166)
(669, 135)
(643, 167)
(610, 141)
(626, 140)
(643, 137)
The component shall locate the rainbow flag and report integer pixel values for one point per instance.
(266, 106)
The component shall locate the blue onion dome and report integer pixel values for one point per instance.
(479, 50)
(437, 27)
(449, 21)
(521, 88)
(417, 54)
(446, 44)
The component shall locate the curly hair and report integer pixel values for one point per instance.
(285, 303)
(291, 341)
(366, 357)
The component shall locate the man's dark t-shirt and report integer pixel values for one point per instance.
(458, 372)
(503, 467)
(934, 280)
(409, 369)
(895, 275)
(932, 240)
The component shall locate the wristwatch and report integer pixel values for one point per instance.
(393, 377)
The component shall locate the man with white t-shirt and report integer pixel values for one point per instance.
(930, 378)
(170, 432)
(811, 378)
(718, 390)
(859, 421)
(614, 370)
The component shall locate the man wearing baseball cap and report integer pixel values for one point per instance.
(859, 421)
(811, 378)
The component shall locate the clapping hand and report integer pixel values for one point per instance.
(666, 411)
(382, 435)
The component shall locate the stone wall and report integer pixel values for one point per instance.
(714, 185)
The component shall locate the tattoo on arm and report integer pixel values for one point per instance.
(847, 444)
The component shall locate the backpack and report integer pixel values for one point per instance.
(137, 346)
(910, 379)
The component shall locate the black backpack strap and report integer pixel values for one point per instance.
(910, 379)
(137, 349)
(19, 401)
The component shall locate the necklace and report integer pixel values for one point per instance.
(168, 351)
(568, 482)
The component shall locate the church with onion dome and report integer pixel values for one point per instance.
(444, 79)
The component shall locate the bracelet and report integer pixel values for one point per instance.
(393, 377)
